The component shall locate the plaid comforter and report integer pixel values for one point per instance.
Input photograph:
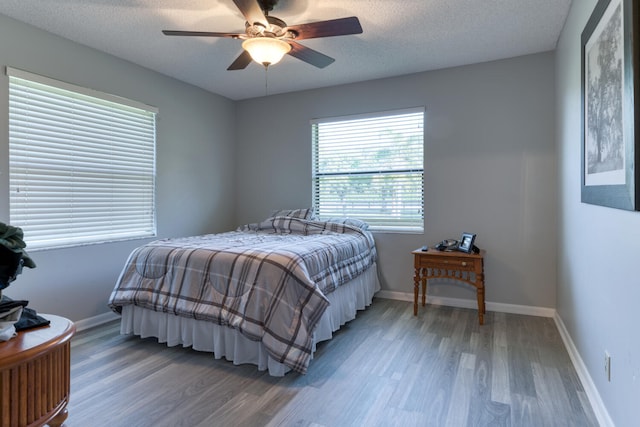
(267, 280)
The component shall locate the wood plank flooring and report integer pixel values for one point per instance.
(385, 368)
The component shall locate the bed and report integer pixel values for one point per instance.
(263, 294)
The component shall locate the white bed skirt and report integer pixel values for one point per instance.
(225, 342)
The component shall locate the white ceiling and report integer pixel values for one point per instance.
(399, 37)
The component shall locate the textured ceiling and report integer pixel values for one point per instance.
(399, 36)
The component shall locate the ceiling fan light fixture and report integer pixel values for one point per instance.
(266, 50)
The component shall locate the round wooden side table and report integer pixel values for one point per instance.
(35, 375)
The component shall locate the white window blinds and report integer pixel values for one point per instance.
(371, 167)
(81, 163)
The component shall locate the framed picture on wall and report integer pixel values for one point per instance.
(610, 106)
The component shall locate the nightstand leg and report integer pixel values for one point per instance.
(424, 287)
(481, 309)
(416, 289)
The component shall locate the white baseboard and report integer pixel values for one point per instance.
(590, 389)
(83, 324)
(467, 303)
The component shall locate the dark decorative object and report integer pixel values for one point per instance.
(13, 256)
(611, 106)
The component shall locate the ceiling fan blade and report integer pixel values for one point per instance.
(330, 28)
(241, 61)
(309, 55)
(252, 12)
(199, 34)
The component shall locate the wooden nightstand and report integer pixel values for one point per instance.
(35, 375)
(459, 266)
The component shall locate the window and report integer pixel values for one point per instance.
(81, 163)
(371, 167)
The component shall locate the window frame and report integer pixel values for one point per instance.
(119, 193)
(409, 223)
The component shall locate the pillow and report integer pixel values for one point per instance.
(354, 222)
(308, 213)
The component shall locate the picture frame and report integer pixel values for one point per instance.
(466, 242)
(610, 148)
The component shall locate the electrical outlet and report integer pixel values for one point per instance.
(607, 365)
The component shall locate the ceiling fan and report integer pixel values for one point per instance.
(267, 38)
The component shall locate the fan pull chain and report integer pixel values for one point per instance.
(266, 80)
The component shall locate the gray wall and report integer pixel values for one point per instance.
(195, 155)
(489, 167)
(598, 247)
